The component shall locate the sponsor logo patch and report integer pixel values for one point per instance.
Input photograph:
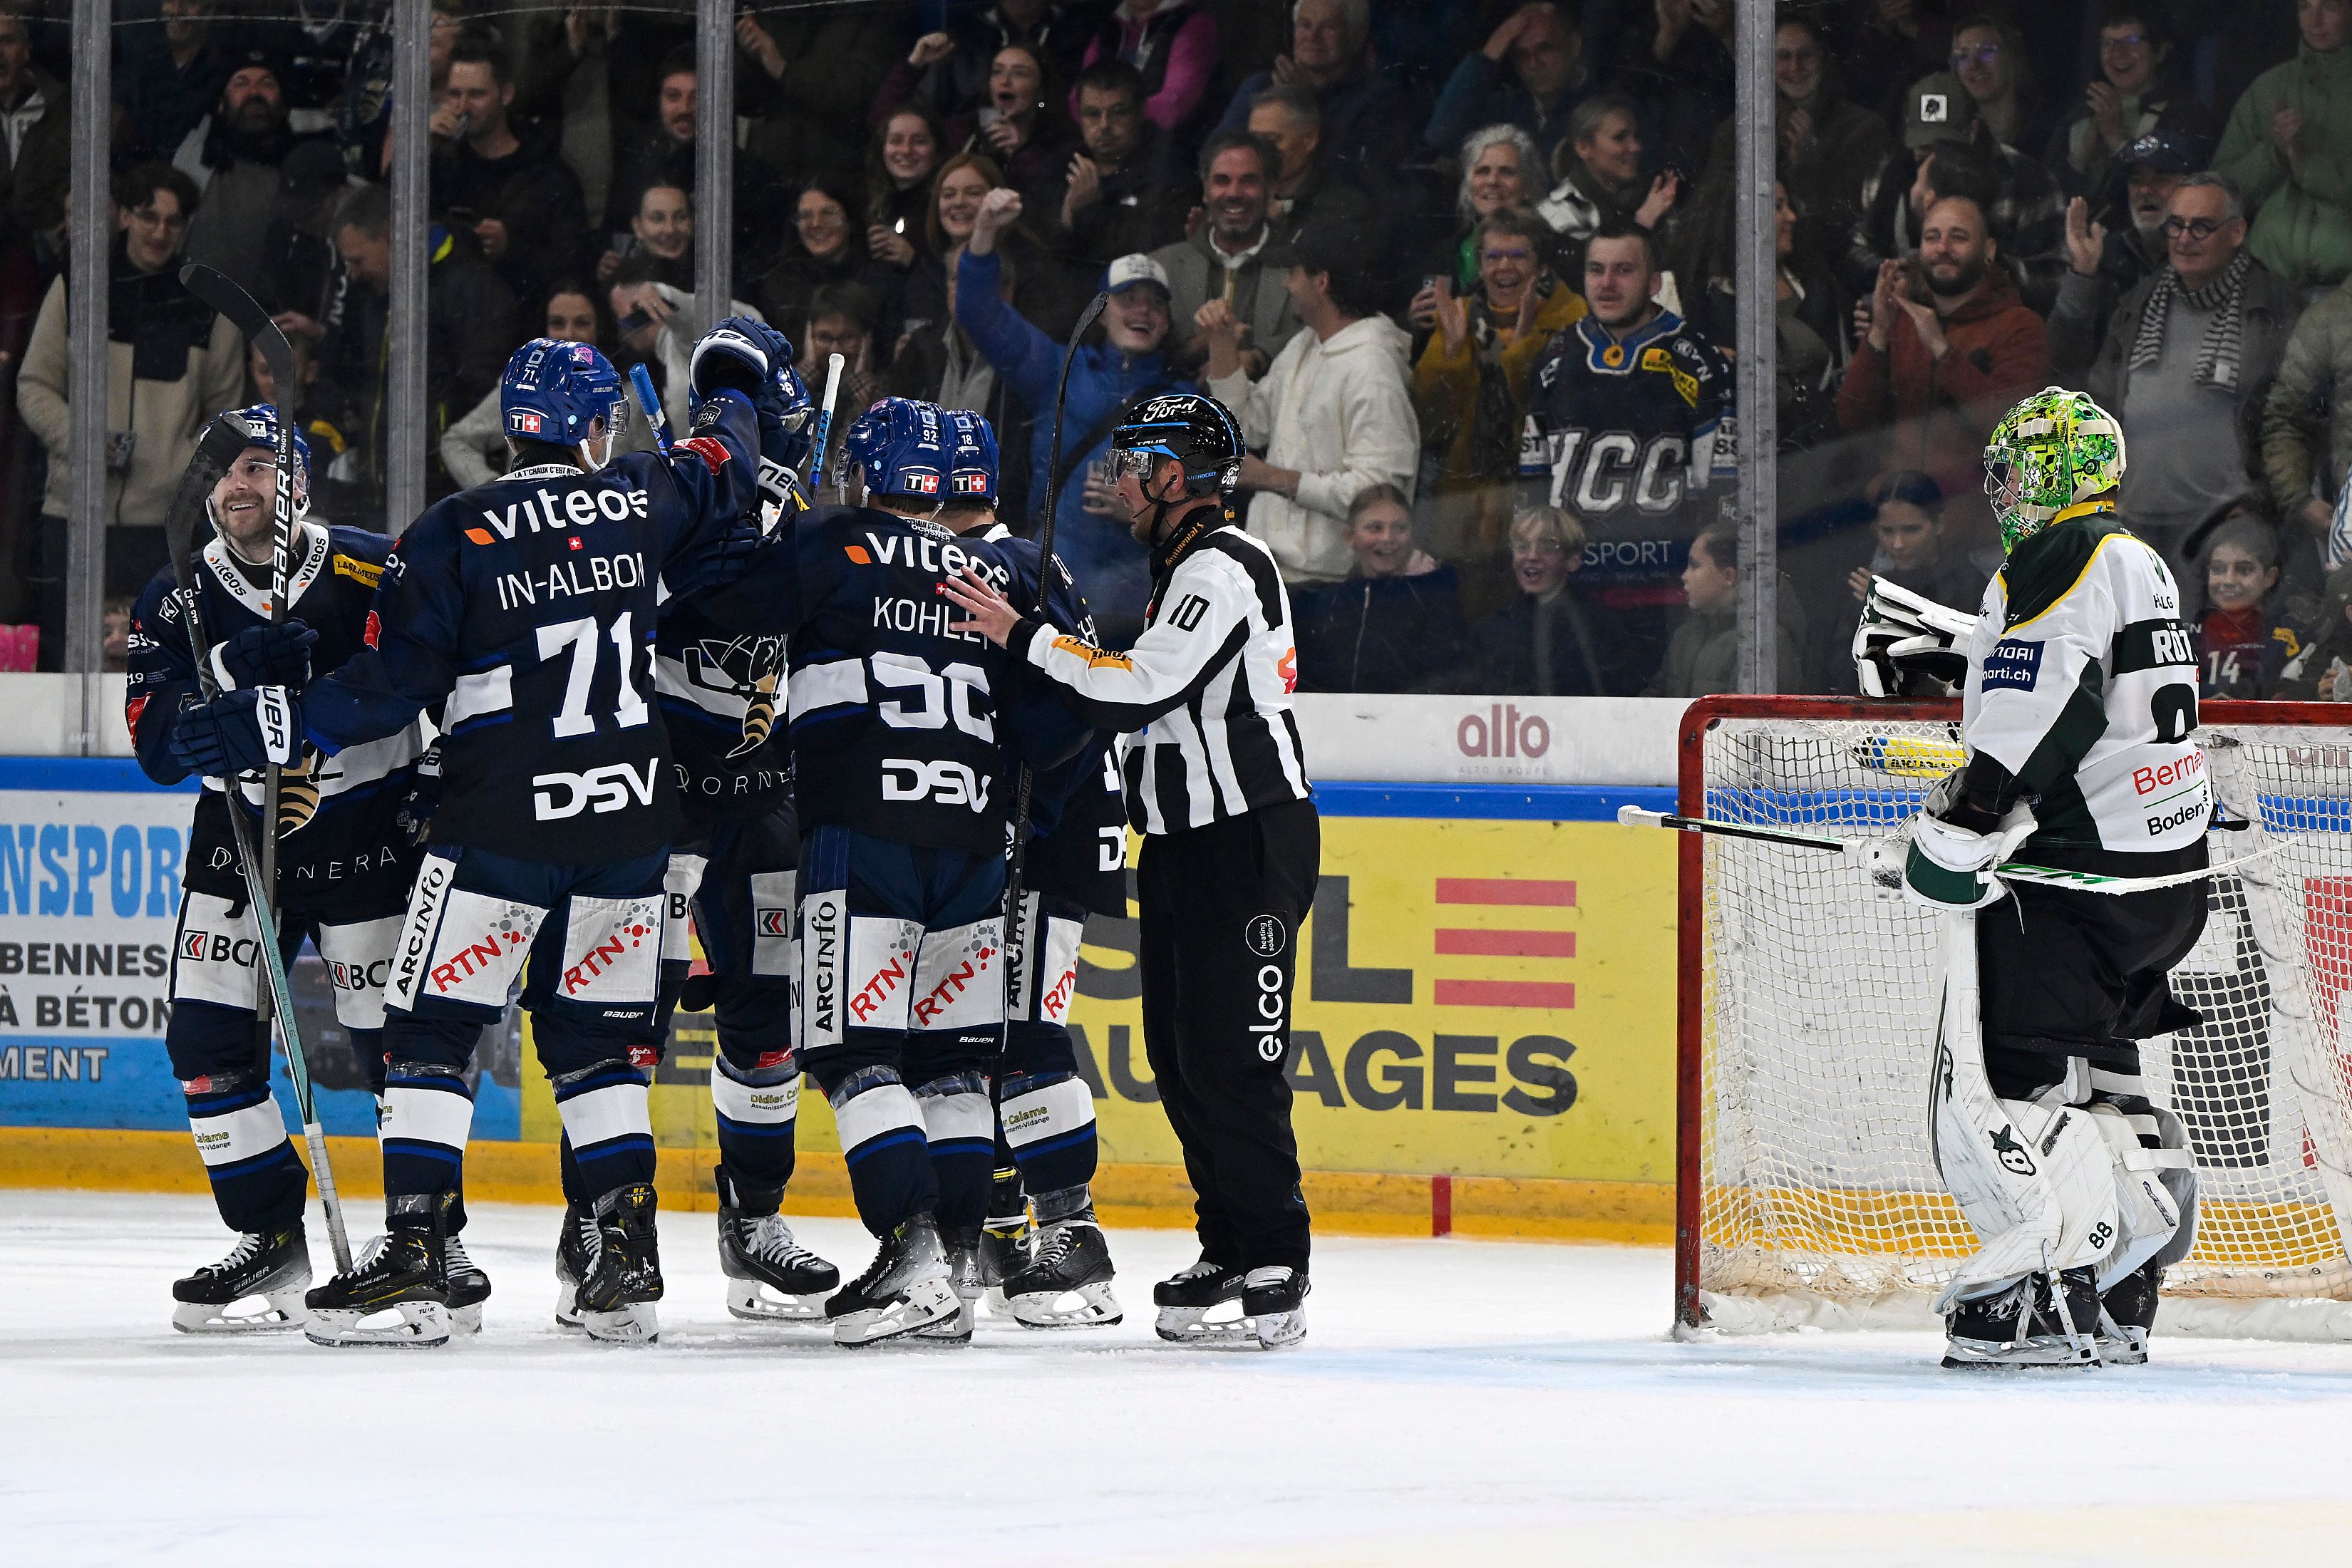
(2013, 664)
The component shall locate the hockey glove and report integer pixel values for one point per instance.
(1904, 637)
(265, 656)
(742, 353)
(415, 814)
(719, 556)
(1951, 866)
(240, 733)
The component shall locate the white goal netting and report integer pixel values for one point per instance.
(1819, 1201)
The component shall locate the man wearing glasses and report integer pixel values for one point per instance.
(2185, 351)
(172, 365)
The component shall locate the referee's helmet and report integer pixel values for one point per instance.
(1198, 432)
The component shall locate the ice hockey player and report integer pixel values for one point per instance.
(527, 607)
(903, 790)
(722, 695)
(1217, 785)
(1059, 1275)
(347, 850)
(2077, 715)
(1629, 423)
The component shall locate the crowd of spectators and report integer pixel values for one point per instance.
(1464, 271)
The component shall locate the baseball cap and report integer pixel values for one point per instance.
(1131, 270)
(2166, 152)
(1937, 108)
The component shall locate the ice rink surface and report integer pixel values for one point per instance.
(1457, 1402)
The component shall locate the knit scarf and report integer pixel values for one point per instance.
(2217, 354)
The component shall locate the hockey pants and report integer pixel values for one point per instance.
(902, 1008)
(1221, 908)
(223, 1060)
(1044, 1112)
(591, 938)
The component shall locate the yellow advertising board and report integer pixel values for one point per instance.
(1476, 998)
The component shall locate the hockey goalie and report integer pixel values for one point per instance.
(2079, 705)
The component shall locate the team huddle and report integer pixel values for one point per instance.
(662, 690)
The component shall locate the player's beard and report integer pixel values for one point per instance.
(1961, 280)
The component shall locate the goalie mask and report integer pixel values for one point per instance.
(2054, 450)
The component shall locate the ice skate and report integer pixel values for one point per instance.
(2127, 1313)
(905, 1289)
(1274, 1300)
(273, 1266)
(1186, 1299)
(1067, 1284)
(1004, 1239)
(2031, 1324)
(469, 1286)
(404, 1278)
(770, 1277)
(575, 1255)
(965, 1278)
(615, 1299)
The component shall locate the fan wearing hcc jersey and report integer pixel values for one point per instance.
(2080, 702)
(526, 608)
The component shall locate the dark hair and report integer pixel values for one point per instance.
(473, 49)
(1269, 157)
(879, 183)
(1371, 495)
(598, 301)
(838, 189)
(136, 186)
(1964, 169)
(1620, 229)
(1911, 487)
(2153, 23)
(2247, 532)
(1111, 75)
(367, 208)
(679, 61)
(853, 300)
(1722, 543)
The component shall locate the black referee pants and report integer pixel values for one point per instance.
(1221, 908)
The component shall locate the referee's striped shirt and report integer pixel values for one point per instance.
(1208, 686)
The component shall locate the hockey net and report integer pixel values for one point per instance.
(1807, 1194)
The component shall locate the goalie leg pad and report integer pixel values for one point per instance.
(2032, 1177)
(2156, 1187)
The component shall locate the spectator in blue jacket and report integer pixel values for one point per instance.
(1122, 358)
(1531, 73)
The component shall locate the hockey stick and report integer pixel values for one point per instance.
(1017, 863)
(219, 447)
(649, 404)
(2013, 870)
(833, 368)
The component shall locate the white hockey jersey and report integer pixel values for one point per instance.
(2083, 684)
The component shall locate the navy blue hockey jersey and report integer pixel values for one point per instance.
(893, 719)
(722, 696)
(529, 605)
(352, 848)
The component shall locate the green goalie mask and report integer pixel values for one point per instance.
(2053, 450)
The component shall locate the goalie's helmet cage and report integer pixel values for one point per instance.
(2054, 450)
(1807, 1189)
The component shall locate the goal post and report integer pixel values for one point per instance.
(1807, 1194)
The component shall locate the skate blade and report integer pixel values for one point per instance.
(925, 1302)
(1192, 1326)
(418, 1323)
(1090, 1306)
(567, 1305)
(953, 1330)
(995, 1304)
(1280, 1330)
(757, 1301)
(2036, 1354)
(636, 1324)
(279, 1311)
(466, 1319)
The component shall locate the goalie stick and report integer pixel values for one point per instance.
(216, 450)
(2015, 870)
(1018, 860)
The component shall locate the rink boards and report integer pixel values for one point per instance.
(1483, 1037)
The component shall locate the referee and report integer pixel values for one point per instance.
(1217, 785)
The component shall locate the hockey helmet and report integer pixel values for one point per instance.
(2056, 449)
(971, 467)
(1198, 432)
(260, 423)
(552, 391)
(901, 445)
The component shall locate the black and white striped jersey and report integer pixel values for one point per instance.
(1205, 691)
